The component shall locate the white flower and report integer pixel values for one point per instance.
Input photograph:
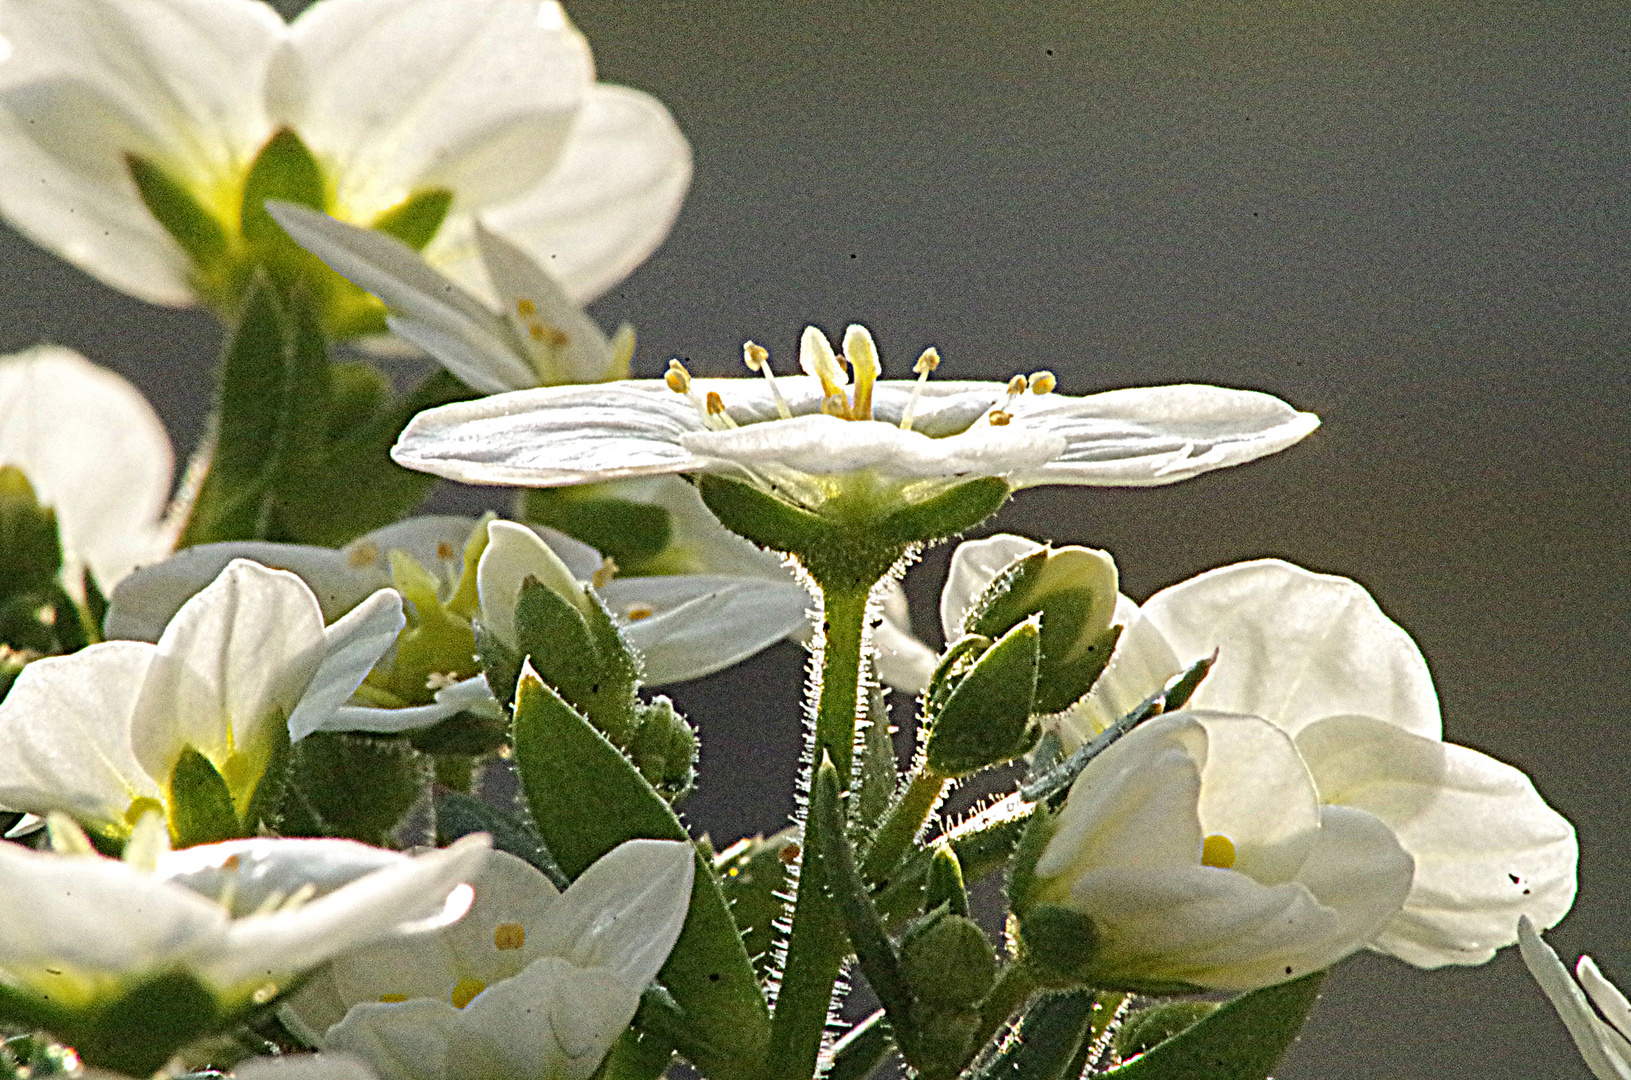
(245, 918)
(331, 1066)
(531, 985)
(539, 338)
(813, 438)
(1603, 1035)
(1314, 655)
(493, 101)
(1198, 847)
(98, 733)
(94, 450)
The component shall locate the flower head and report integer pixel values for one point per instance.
(1603, 1033)
(821, 438)
(406, 115)
(531, 983)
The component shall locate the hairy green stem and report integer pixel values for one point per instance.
(817, 944)
(906, 819)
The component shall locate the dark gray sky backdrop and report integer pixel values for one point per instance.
(1411, 219)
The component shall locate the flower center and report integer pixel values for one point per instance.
(1219, 851)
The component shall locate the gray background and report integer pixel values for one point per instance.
(1408, 218)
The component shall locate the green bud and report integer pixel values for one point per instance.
(579, 654)
(631, 533)
(945, 883)
(1074, 589)
(357, 787)
(201, 810)
(948, 962)
(986, 720)
(664, 748)
(1058, 944)
(416, 219)
(953, 668)
(753, 875)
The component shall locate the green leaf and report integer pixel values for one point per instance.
(753, 874)
(458, 814)
(196, 229)
(358, 787)
(201, 810)
(143, 1028)
(586, 798)
(986, 720)
(30, 553)
(631, 533)
(284, 169)
(416, 219)
(357, 391)
(1243, 1040)
(1051, 1035)
(1145, 1028)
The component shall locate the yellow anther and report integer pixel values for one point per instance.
(392, 999)
(836, 405)
(677, 378)
(231, 864)
(927, 362)
(525, 308)
(635, 614)
(466, 990)
(757, 358)
(732, 872)
(363, 553)
(1016, 385)
(264, 993)
(1219, 851)
(444, 550)
(862, 353)
(605, 573)
(1043, 382)
(816, 358)
(754, 355)
(547, 334)
(143, 806)
(509, 935)
(999, 418)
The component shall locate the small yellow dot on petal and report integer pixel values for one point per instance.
(392, 999)
(638, 613)
(363, 553)
(509, 935)
(1219, 851)
(466, 991)
(525, 308)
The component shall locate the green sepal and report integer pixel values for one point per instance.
(630, 533)
(416, 219)
(1179, 692)
(1036, 831)
(357, 390)
(1058, 944)
(201, 810)
(134, 1033)
(261, 811)
(1242, 1040)
(197, 230)
(474, 734)
(952, 668)
(945, 885)
(762, 518)
(359, 787)
(586, 798)
(664, 748)
(458, 815)
(880, 774)
(1051, 1037)
(1074, 589)
(1145, 1028)
(581, 655)
(986, 720)
(284, 169)
(500, 662)
(30, 551)
(753, 874)
(953, 511)
(638, 1054)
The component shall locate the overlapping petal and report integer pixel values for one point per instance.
(1604, 1040)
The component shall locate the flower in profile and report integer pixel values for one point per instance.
(122, 728)
(1603, 1033)
(1198, 848)
(531, 983)
(1314, 655)
(539, 338)
(820, 439)
(140, 140)
(93, 451)
(198, 936)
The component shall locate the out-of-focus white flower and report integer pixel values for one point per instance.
(98, 734)
(491, 102)
(244, 918)
(1316, 656)
(93, 449)
(336, 1065)
(1198, 847)
(531, 983)
(540, 337)
(1603, 1034)
(815, 438)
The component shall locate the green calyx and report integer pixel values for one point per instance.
(133, 1031)
(985, 719)
(1058, 944)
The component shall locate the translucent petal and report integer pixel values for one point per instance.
(693, 625)
(974, 566)
(351, 647)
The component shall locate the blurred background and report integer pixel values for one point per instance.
(1411, 219)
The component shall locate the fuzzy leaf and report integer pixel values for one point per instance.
(1242, 1040)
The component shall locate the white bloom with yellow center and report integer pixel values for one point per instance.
(533, 984)
(1603, 1033)
(811, 438)
(494, 101)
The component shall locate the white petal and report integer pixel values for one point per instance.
(467, 695)
(1142, 664)
(901, 659)
(477, 96)
(585, 356)
(552, 1020)
(65, 735)
(693, 625)
(624, 913)
(1256, 791)
(554, 435)
(233, 661)
(1487, 847)
(974, 566)
(335, 1066)
(90, 917)
(406, 1041)
(1294, 646)
(1591, 1035)
(1606, 996)
(515, 553)
(93, 448)
(352, 646)
(1158, 434)
(609, 200)
(173, 80)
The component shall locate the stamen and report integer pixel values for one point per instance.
(465, 991)
(603, 575)
(816, 358)
(1043, 382)
(677, 378)
(999, 418)
(862, 353)
(716, 409)
(545, 334)
(363, 554)
(1218, 851)
(392, 999)
(836, 405)
(925, 364)
(638, 612)
(525, 308)
(757, 358)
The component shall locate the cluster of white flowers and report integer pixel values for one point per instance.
(469, 186)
